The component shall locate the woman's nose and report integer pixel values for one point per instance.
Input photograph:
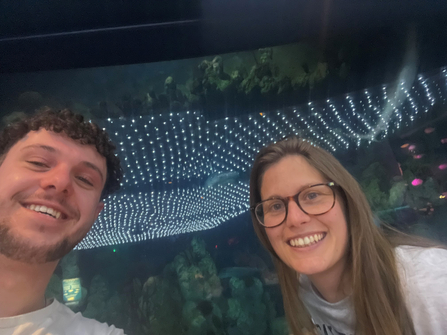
(295, 215)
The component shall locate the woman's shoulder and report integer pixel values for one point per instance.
(422, 267)
(423, 274)
(421, 256)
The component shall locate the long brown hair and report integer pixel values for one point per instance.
(377, 296)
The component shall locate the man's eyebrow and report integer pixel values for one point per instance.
(94, 167)
(41, 146)
(53, 150)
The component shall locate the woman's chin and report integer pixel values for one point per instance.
(310, 267)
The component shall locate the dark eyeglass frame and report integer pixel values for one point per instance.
(295, 197)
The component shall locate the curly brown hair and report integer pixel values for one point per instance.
(74, 126)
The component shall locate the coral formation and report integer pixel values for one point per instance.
(222, 84)
(69, 264)
(247, 311)
(280, 327)
(189, 290)
(97, 298)
(54, 288)
(397, 194)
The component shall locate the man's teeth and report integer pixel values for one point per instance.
(307, 241)
(46, 210)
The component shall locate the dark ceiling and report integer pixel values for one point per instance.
(54, 34)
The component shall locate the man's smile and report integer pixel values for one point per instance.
(46, 210)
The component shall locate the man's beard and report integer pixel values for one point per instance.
(19, 249)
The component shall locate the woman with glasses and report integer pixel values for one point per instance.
(339, 273)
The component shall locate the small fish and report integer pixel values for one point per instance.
(417, 182)
(444, 140)
(429, 130)
(418, 156)
(403, 146)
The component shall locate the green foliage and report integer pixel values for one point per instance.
(198, 247)
(69, 264)
(415, 168)
(397, 194)
(234, 309)
(96, 300)
(159, 303)
(280, 326)
(207, 266)
(246, 307)
(419, 196)
(375, 184)
(377, 199)
(54, 288)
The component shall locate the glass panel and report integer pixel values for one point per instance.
(173, 252)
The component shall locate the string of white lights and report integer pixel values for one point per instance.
(184, 173)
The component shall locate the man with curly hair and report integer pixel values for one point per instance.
(55, 171)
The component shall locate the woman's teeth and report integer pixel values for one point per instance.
(307, 241)
(46, 210)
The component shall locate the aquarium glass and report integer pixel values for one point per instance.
(174, 251)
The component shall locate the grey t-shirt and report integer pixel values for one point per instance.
(423, 274)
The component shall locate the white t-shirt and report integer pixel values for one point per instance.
(423, 274)
(55, 319)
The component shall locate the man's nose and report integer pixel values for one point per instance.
(295, 215)
(57, 180)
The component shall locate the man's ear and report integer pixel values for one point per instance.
(99, 208)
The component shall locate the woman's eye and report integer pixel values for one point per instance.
(312, 196)
(277, 206)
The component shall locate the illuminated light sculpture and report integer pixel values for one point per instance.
(168, 158)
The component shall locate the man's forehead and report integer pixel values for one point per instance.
(59, 142)
(43, 134)
(49, 137)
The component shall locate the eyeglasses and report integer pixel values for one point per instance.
(315, 199)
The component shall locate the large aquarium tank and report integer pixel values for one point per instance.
(190, 92)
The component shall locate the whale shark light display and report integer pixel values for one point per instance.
(184, 173)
